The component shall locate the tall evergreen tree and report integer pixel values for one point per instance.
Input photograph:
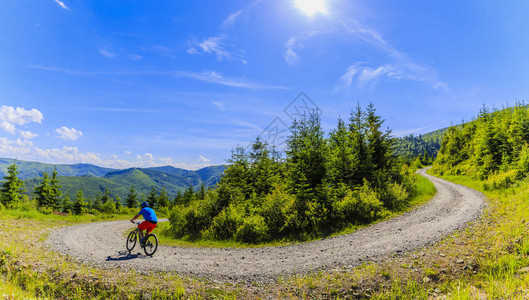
(163, 199)
(132, 198)
(55, 190)
(152, 198)
(79, 203)
(189, 194)
(11, 189)
(43, 192)
(106, 196)
(202, 192)
(178, 199)
(343, 159)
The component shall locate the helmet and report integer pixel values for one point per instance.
(144, 204)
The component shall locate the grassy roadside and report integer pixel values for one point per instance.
(423, 192)
(28, 269)
(489, 259)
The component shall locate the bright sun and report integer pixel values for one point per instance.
(311, 7)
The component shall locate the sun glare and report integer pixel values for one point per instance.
(311, 7)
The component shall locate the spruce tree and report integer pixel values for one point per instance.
(132, 198)
(163, 199)
(43, 192)
(106, 196)
(79, 203)
(55, 190)
(152, 198)
(11, 189)
(179, 198)
(202, 192)
(189, 194)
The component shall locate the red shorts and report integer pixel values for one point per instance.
(147, 225)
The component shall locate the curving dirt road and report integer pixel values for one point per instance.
(102, 244)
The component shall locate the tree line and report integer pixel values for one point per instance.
(48, 196)
(321, 184)
(494, 147)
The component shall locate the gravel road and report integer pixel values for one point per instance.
(103, 244)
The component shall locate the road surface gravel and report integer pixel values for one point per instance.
(103, 244)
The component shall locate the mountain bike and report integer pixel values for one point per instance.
(149, 245)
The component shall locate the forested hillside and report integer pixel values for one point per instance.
(324, 184)
(424, 147)
(493, 148)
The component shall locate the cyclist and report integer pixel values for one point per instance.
(150, 220)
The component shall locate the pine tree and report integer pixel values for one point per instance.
(11, 189)
(202, 192)
(79, 203)
(132, 198)
(106, 197)
(43, 192)
(163, 199)
(178, 199)
(55, 192)
(189, 194)
(118, 204)
(343, 160)
(152, 197)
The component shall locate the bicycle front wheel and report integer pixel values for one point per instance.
(151, 244)
(131, 240)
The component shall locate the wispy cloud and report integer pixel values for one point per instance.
(203, 159)
(365, 75)
(217, 78)
(28, 135)
(213, 45)
(207, 76)
(61, 4)
(400, 67)
(230, 20)
(219, 105)
(106, 53)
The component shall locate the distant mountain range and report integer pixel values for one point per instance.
(94, 179)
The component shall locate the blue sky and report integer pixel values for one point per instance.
(147, 83)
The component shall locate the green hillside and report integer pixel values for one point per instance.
(93, 179)
(31, 169)
(410, 147)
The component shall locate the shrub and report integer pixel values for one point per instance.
(274, 209)
(109, 207)
(397, 196)
(362, 206)
(224, 226)
(501, 180)
(252, 230)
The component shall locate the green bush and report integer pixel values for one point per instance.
(224, 226)
(252, 230)
(501, 180)
(274, 209)
(109, 207)
(362, 206)
(397, 196)
(45, 210)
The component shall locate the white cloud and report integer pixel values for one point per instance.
(212, 45)
(204, 160)
(61, 4)
(219, 105)
(15, 148)
(28, 135)
(8, 127)
(107, 53)
(68, 134)
(20, 116)
(9, 116)
(128, 152)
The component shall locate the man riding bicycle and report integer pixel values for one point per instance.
(150, 220)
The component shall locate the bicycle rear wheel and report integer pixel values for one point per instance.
(131, 240)
(151, 244)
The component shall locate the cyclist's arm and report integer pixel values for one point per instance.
(137, 216)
